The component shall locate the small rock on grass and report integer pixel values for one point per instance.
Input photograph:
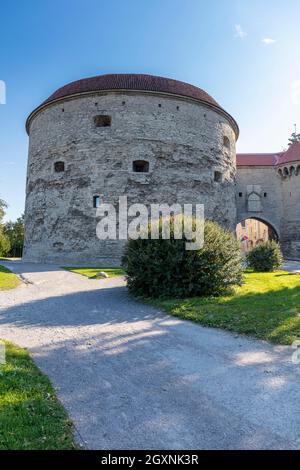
(101, 274)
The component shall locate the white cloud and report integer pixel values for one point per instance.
(296, 92)
(239, 32)
(268, 41)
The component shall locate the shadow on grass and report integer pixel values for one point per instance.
(273, 315)
(284, 274)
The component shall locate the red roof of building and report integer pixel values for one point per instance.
(256, 159)
(292, 154)
(133, 82)
(136, 82)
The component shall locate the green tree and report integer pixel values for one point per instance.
(4, 241)
(4, 244)
(294, 138)
(14, 231)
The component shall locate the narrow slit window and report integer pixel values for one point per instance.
(102, 120)
(140, 166)
(240, 194)
(96, 201)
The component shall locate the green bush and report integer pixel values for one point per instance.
(265, 257)
(164, 268)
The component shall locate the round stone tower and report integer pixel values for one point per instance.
(152, 139)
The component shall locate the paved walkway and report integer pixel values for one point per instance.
(293, 266)
(132, 377)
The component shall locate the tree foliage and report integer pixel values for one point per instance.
(14, 231)
(11, 234)
(4, 244)
(265, 257)
(4, 241)
(294, 138)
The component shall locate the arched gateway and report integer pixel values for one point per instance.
(253, 231)
(268, 189)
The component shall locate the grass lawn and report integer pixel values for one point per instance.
(31, 417)
(266, 306)
(8, 280)
(91, 272)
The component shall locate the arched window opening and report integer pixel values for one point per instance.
(140, 166)
(59, 167)
(254, 203)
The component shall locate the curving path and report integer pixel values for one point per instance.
(132, 377)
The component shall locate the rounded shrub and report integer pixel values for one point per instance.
(164, 268)
(265, 257)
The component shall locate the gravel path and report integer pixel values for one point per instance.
(293, 266)
(134, 378)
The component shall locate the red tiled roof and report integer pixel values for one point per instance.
(291, 155)
(256, 159)
(133, 82)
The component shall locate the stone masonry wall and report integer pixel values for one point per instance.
(290, 226)
(181, 139)
(279, 192)
(264, 182)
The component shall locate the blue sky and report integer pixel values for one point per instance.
(245, 53)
